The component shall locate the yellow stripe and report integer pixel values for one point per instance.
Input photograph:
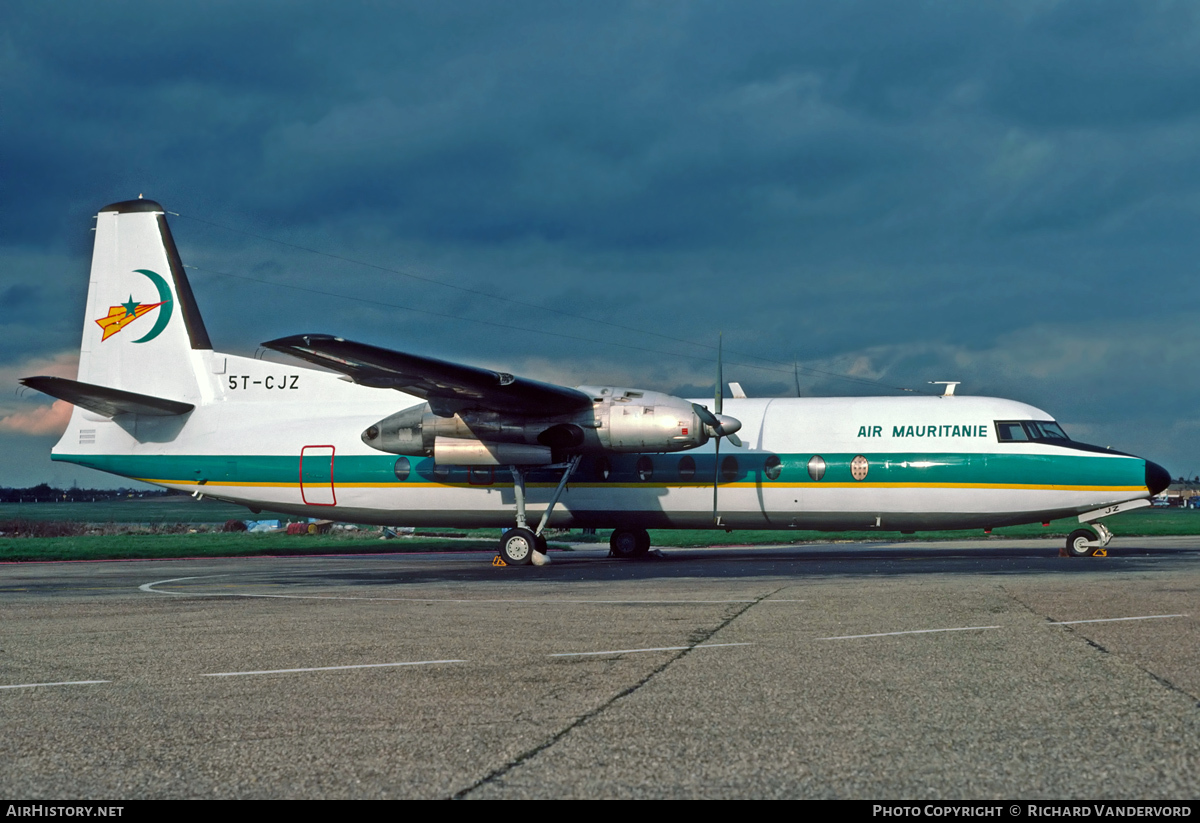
(811, 486)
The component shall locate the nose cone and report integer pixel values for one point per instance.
(1157, 477)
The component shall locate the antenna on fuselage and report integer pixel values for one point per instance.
(949, 384)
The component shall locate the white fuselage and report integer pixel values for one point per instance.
(287, 438)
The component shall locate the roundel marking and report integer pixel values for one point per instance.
(858, 467)
(164, 311)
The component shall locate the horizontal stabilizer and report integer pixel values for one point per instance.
(106, 401)
(447, 386)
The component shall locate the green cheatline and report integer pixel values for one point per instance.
(1070, 469)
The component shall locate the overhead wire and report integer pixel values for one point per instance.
(478, 292)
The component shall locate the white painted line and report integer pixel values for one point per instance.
(915, 631)
(658, 649)
(63, 683)
(332, 668)
(1115, 619)
(149, 589)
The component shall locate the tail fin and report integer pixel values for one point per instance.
(142, 331)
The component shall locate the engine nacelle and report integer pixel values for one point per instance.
(646, 421)
(451, 451)
(620, 420)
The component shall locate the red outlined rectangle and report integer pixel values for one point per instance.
(321, 494)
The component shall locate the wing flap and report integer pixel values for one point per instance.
(104, 400)
(449, 387)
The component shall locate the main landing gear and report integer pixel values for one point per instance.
(522, 545)
(1086, 543)
(626, 543)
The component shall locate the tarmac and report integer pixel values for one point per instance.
(928, 671)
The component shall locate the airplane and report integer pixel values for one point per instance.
(376, 436)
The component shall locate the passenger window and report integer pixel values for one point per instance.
(687, 468)
(644, 468)
(402, 468)
(729, 469)
(480, 475)
(441, 472)
(773, 467)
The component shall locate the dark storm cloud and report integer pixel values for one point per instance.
(904, 191)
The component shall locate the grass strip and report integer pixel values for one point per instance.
(163, 545)
(166, 546)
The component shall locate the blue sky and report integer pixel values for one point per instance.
(1004, 194)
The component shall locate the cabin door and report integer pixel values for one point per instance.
(316, 476)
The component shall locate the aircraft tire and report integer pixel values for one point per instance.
(517, 547)
(542, 545)
(1077, 543)
(626, 543)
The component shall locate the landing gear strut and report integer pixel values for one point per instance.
(522, 545)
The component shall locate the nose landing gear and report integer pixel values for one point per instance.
(1086, 543)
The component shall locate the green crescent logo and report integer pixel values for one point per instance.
(164, 310)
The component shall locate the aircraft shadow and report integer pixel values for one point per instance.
(799, 562)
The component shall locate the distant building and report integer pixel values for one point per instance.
(1183, 493)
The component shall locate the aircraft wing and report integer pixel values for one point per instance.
(448, 387)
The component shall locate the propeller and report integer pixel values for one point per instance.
(718, 425)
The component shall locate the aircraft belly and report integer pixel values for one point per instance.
(465, 506)
(741, 507)
(927, 509)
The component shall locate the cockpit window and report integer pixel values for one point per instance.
(1046, 430)
(1025, 430)
(1010, 431)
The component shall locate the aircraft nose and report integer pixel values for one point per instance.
(1157, 478)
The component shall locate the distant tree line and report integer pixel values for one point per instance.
(45, 493)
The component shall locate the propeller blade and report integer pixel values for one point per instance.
(727, 425)
(717, 398)
(721, 426)
(716, 477)
(706, 417)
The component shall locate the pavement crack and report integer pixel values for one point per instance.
(694, 640)
(1157, 678)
